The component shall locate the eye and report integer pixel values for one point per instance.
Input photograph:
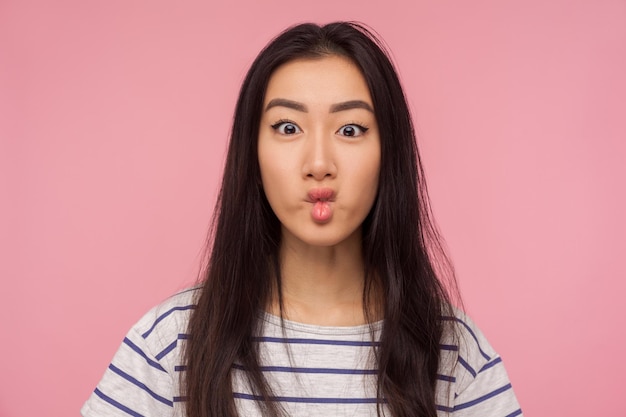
(286, 128)
(352, 130)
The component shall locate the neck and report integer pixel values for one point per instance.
(322, 285)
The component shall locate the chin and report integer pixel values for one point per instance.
(325, 237)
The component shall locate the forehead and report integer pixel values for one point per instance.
(327, 80)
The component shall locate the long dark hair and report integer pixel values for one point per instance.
(402, 252)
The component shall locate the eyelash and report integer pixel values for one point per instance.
(276, 126)
(280, 123)
(362, 128)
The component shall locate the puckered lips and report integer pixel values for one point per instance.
(321, 199)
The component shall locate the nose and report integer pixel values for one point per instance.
(319, 157)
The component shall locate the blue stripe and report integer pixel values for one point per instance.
(467, 366)
(171, 346)
(445, 409)
(164, 315)
(314, 341)
(471, 332)
(180, 368)
(309, 400)
(490, 364)
(136, 348)
(268, 339)
(179, 399)
(312, 370)
(452, 348)
(115, 404)
(141, 385)
(483, 398)
(446, 378)
(517, 412)
(335, 371)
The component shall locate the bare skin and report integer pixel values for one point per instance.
(323, 285)
(319, 155)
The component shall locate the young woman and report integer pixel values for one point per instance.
(324, 291)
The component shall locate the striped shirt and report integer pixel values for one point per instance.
(313, 370)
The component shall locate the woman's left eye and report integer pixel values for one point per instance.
(352, 130)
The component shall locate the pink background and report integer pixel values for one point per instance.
(113, 121)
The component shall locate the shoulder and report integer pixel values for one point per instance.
(478, 379)
(465, 337)
(161, 330)
(157, 335)
(142, 378)
(171, 316)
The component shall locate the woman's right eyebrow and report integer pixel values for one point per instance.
(283, 102)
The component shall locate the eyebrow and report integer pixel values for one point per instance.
(290, 104)
(349, 105)
(346, 105)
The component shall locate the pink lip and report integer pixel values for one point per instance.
(322, 211)
(320, 194)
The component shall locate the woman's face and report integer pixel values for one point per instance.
(319, 149)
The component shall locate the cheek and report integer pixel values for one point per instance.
(366, 171)
(274, 161)
(276, 179)
(267, 165)
(273, 171)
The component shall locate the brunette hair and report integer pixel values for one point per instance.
(403, 255)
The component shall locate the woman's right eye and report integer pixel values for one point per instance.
(286, 128)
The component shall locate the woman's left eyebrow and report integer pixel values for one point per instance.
(349, 105)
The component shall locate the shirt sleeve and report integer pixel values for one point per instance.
(135, 384)
(482, 388)
(490, 393)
